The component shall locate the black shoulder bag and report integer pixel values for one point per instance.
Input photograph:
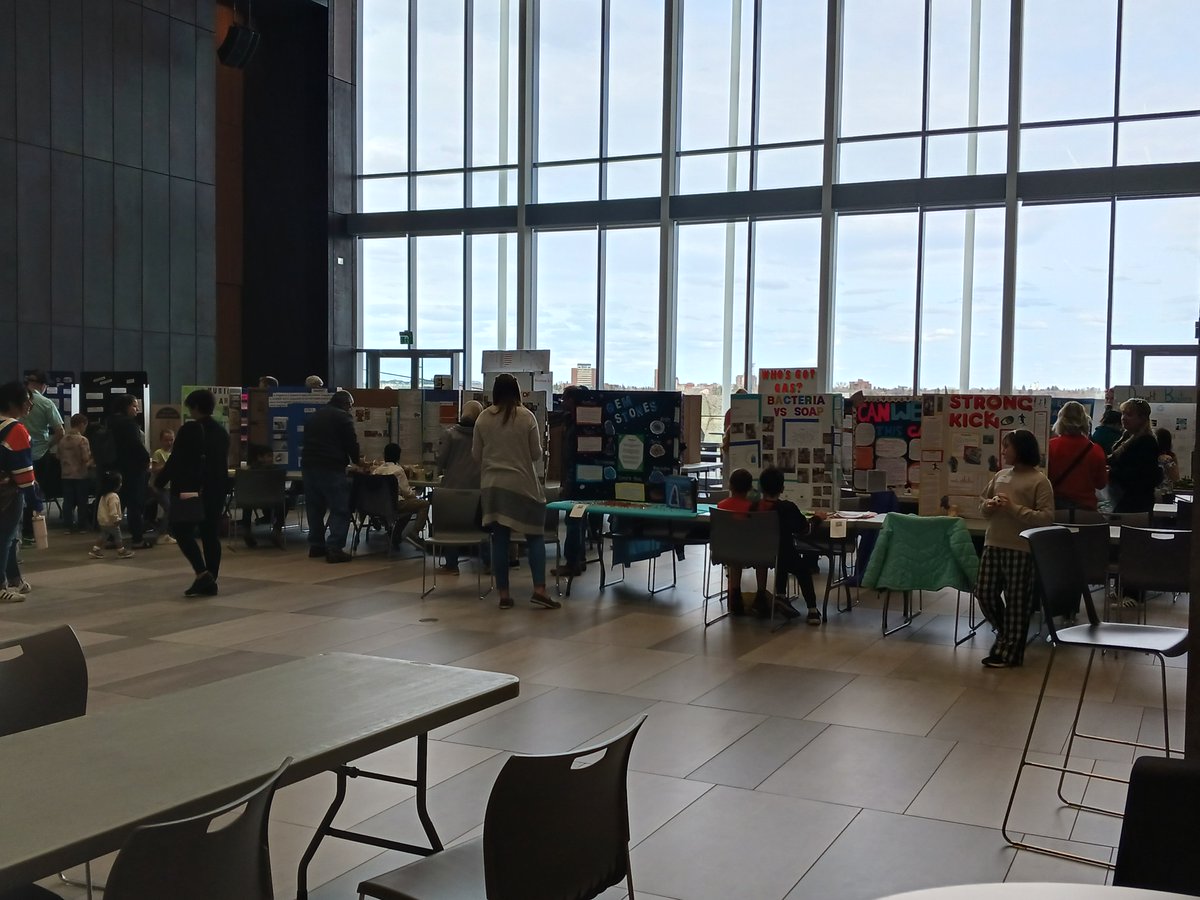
(189, 509)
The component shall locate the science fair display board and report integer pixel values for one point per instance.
(887, 437)
(961, 436)
(1172, 408)
(98, 389)
(626, 445)
(793, 428)
(287, 408)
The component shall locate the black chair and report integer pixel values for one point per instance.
(1154, 559)
(556, 827)
(264, 488)
(747, 540)
(198, 858)
(375, 503)
(1061, 581)
(1157, 851)
(454, 521)
(43, 680)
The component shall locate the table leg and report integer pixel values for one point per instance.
(420, 782)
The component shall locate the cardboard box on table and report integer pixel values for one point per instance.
(961, 436)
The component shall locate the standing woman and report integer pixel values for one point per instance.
(1075, 464)
(1017, 497)
(506, 444)
(18, 486)
(197, 465)
(1133, 471)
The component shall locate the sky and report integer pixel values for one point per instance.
(1061, 315)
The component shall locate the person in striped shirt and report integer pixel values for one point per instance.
(18, 485)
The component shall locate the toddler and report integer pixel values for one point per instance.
(108, 515)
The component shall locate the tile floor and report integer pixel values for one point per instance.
(812, 763)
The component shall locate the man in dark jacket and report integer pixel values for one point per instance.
(133, 462)
(330, 445)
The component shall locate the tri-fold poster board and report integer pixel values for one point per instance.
(887, 438)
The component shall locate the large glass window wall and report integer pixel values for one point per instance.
(889, 190)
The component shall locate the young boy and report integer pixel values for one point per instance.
(410, 503)
(792, 524)
(261, 457)
(75, 457)
(108, 514)
(740, 484)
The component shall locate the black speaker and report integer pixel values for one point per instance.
(239, 45)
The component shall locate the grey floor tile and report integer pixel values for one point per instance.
(748, 761)
(888, 704)
(776, 690)
(883, 853)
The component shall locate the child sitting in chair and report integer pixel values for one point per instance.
(792, 524)
(410, 503)
(740, 484)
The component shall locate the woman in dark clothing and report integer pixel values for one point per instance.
(1133, 470)
(198, 466)
(133, 462)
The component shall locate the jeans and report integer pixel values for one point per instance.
(75, 502)
(453, 554)
(501, 535)
(10, 535)
(327, 492)
(133, 498)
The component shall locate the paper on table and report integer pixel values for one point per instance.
(630, 490)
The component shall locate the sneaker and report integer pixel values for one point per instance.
(814, 616)
(545, 601)
(337, 556)
(7, 596)
(167, 539)
(506, 602)
(124, 553)
(96, 553)
(1129, 602)
(995, 662)
(28, 542)
(204, 585)
(447, 570)
(21, 587)
(315, 552)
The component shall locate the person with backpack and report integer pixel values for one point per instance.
(1075, 463)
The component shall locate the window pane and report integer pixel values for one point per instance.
(1073, 147)
(879, 160)
(635, 74)
(1156, 272)
(384, 291)
(1062, 289)
(637, 178)
(439, 287)
(789, 167)
(950, 64)
(964, 257)
(1160, 69)
(1069, 64)
(1158, 141)
(566, 298)
(882, 65)
(792, 71)
(568, 79)
(384, 86)
(951, 154)
(715, 43)
(384, 194)
(1170, 370)
(440, 93)
(494, 188)
(711, 173)
(494, 84)
(875, 303)
(787, 266)
(559, 184)
(710, 321)
(439, 191)
(493, 300)
(631, 308)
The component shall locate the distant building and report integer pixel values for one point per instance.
(584, 374)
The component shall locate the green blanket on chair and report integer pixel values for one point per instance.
(922, 553)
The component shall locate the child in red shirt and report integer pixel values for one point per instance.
(740, 483)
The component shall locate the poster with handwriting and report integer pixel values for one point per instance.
(801, 435)
(887, 437)
(626, 444)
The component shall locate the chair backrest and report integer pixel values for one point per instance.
(558, 826)
(452, 509)
(743, 539)
(1183, 512)
(1092, 544)
(197, 859)
(1059, 572)
(1079, 517)
(551, 526)
(1155, 559)
(43, 680)
(376, 496)
(1157, 850)
(259, 488)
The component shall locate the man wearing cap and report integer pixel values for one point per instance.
(45, 426)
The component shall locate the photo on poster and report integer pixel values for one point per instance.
(768, 460)
(768, 425)
(785, 459)
(804, 456)
(751, 431)
(818, 456)
(737, 428)
(802, 475)
(768, 441)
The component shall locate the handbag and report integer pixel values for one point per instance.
(187, 510)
